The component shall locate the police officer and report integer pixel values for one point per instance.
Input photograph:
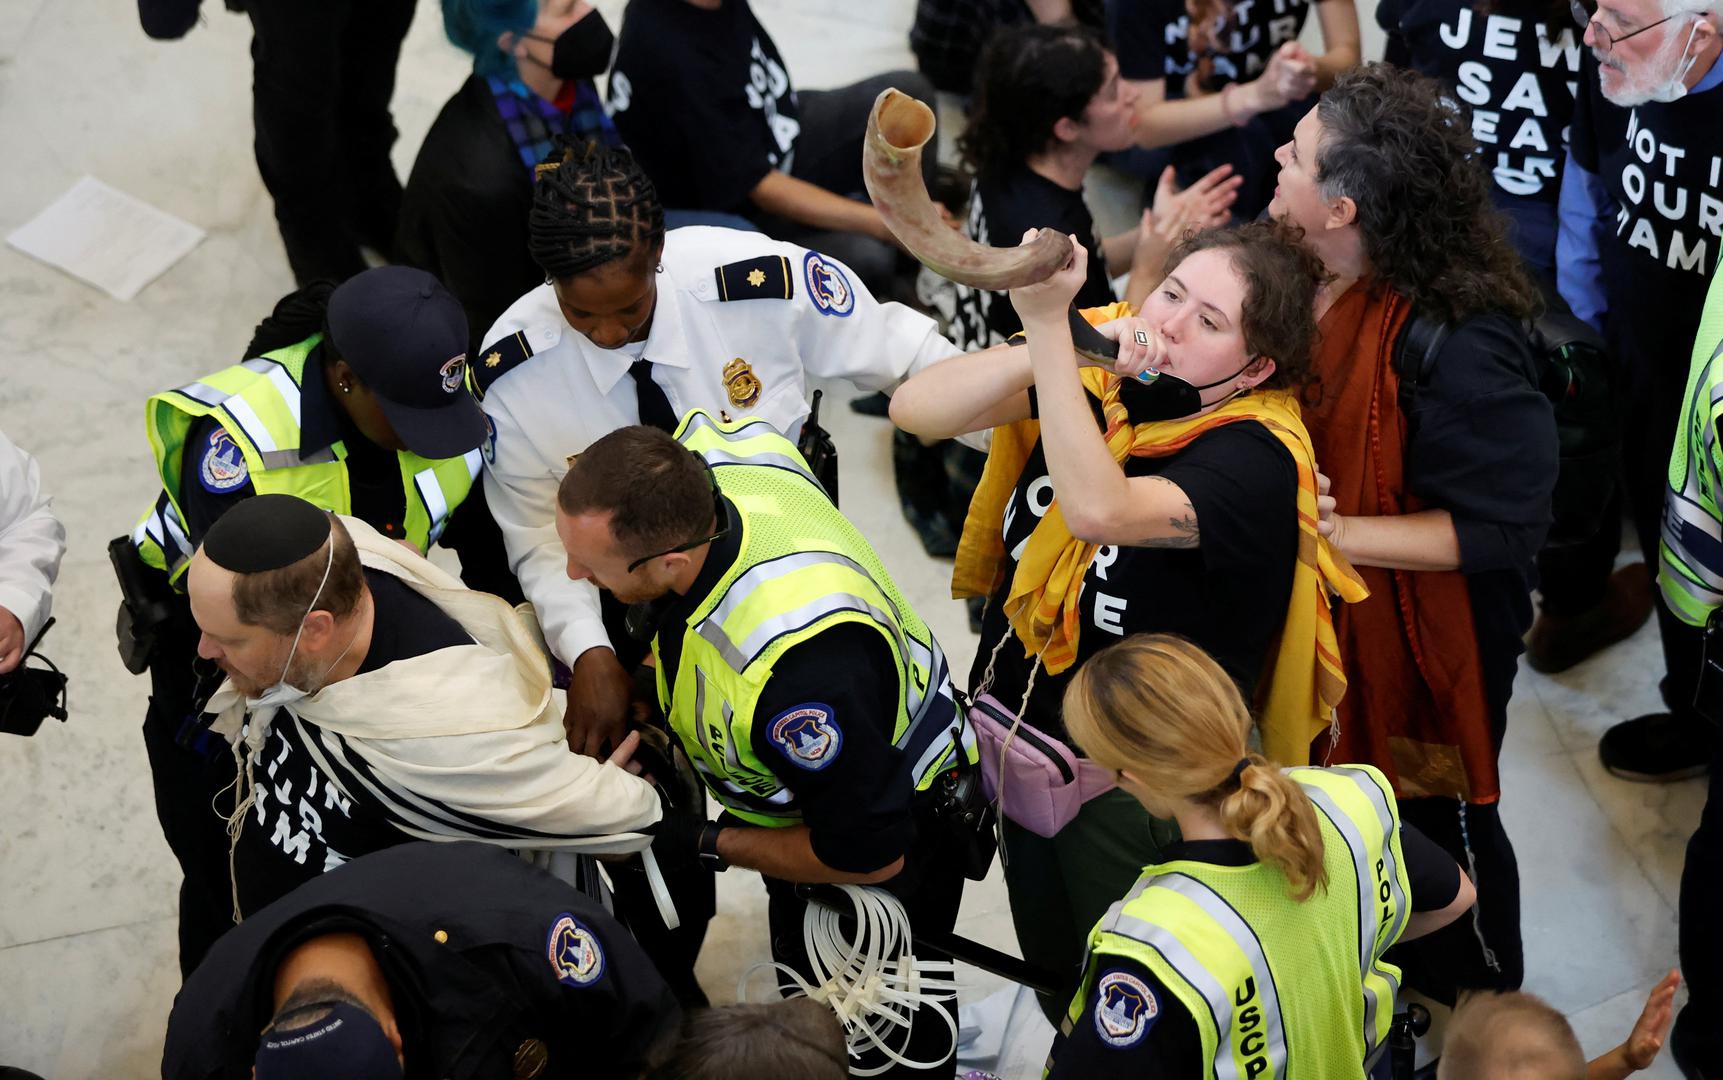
(636, 326)
(353, 400)
(812, 700)
(1255, 945)
(459, 958)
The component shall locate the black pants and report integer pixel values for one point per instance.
(1482, 949)
(828, 154)
(1572, 579)
(189, 766)
(931, 888)
(323, 72)
(1701, 935)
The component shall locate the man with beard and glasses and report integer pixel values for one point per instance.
(1642, 223)
(371, 700)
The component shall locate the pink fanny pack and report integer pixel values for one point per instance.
(1038, 781)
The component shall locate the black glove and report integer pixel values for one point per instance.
(687, 840)
(168, 20)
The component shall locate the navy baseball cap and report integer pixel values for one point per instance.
(405, 336)
(341, 1041)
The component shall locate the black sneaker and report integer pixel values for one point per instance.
(877, 404)
(1657, 749)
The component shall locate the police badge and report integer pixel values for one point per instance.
(741, 383)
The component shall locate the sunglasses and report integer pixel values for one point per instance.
(719, 515)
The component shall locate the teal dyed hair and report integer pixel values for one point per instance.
(475, 25)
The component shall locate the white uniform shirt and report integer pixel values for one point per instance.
(569, 393)
(32, 541)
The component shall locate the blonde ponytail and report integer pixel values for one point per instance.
(1161, 708)
(1273, 815)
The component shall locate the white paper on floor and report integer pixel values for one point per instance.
(983, 1027)
(103, 236)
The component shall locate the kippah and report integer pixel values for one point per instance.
(266, 532)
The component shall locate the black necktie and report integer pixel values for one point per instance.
(654, 405)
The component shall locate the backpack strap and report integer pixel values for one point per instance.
(1414, 354)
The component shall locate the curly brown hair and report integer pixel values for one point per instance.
(1281, 279)
(1406, 158)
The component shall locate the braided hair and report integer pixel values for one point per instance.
(591, 205)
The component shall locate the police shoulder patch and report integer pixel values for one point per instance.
(1125, 1009)
(828, 286)
(222, 468)
(765, 278)
(498, 359)
(574, 952)
(808, 735)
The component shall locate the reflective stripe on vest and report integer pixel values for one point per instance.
(801, 568)
(1219, 996)
(247, 399)
(1373, 936)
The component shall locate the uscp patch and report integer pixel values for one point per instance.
(223, 467)
(828, 287)
(574, 952)
(1125, 1009)
(808, 735)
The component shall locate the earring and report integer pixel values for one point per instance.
(345, 389)
(660, 268)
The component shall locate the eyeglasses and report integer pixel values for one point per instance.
(1609, 41)
(720, 516)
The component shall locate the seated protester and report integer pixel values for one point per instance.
(701, 95)
(1177, 505)
(437, 960)
(1222, 83)
(464, 215)
(1515, 1036)
(798, 1038)
(1258, 938)
(947, 36)
(1440, 491)
(1520, 59)
(372, 700)
(1048, 101)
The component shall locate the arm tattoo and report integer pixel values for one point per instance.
(1184, 533)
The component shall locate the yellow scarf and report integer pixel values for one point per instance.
(1305, 679)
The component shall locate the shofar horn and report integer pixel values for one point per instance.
(897, 128)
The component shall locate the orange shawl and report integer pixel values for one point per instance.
(1417, 710)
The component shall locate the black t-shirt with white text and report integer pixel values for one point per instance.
(1662, 166)
(302, 823)
(1229, 594)
(1516, 71)
(1162, 1039)
(1000, 211)
(704, 101)
(1152, 38)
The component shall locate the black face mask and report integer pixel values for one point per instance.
(583, 50)
(1167, 397)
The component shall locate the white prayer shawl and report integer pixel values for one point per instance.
(467, 730)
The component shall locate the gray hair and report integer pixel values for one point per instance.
(1673, 8)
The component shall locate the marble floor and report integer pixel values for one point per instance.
(87, 887)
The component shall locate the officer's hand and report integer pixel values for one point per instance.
(11, 641)
(1641, 1047)
(599, 695)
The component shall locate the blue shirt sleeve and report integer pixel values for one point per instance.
(1584, 210)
